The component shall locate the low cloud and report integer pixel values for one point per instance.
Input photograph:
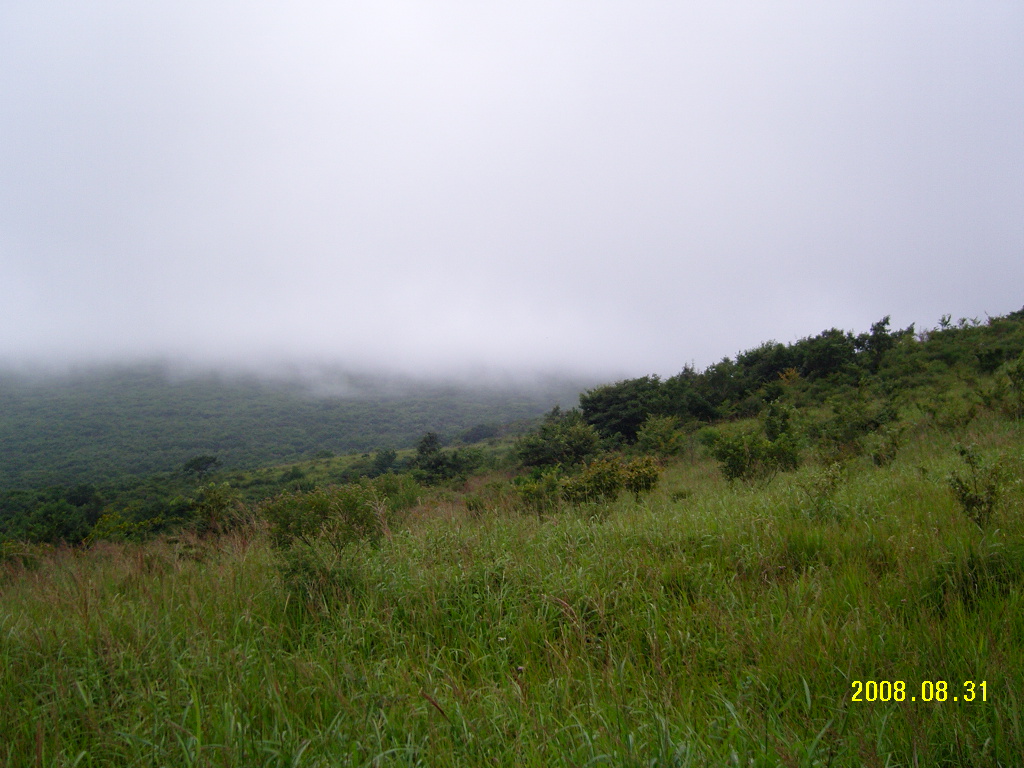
(605, 187)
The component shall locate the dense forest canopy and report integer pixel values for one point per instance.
(108, 423)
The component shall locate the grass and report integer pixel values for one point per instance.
(709, 624)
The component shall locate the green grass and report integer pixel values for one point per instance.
(709, 624)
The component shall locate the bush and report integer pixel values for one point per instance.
(114, 527)
(1008, 388)
(217, 509)
(541, 491)
(819, 491)
(842, 435)
(563, 439)
(619, 410)
(336, 516)
(885, 445)
(431, 465)
(603, 479)
(660, 435)
(311, 530)
(754, 457)
(977, 490)
(641, 476)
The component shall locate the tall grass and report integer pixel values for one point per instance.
(709, 624)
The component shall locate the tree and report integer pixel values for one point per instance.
(201, 466)
(433, 465)
(874, 345)
(383, 461)
(830, 352)
(620, 409)
(429, 445)
(659, 435)
(683, 398)
(764, 364)
(563, 439)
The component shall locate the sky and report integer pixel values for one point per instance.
(457, 185)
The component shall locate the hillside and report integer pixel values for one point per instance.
(811, 555)
(108, 423)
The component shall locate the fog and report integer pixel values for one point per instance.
(465, 187)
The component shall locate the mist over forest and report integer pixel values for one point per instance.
(600, 188)
(99, 423)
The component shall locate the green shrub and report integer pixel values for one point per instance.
(660, 435)
(1008, 388)
(336, 516)
(541, 490)
(842, 435)
(399, 492)
(113, 526)
(318, 577)
(778, 420)
(601, 480)
(758, 455)
(20, 556)
(819, 491)
(563, 439)
(310, 531)
(753, 457)
(977, 490)
(217, 509)
(884, 444)
(641, 476)
(431, 465)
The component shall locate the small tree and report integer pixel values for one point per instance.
(753, 457)
(601, 480)
(978, 489)
(660, 435)
(563, 439)
(429, 445)
(541, 490)
(310, 531)
(218, 509)
(383, 461)
(201, 466)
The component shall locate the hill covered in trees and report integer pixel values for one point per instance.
(100, 425)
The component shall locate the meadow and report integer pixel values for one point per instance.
(706, 622)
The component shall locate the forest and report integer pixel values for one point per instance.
(109, 423)
(811, 553)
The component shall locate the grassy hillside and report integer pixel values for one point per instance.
(810, 556)
(710, 623)
(97, 426)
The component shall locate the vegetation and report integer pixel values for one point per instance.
(111, 424)
(810, 556)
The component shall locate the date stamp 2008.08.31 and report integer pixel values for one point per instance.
(929, 690)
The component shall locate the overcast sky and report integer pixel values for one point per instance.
(620, 187)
